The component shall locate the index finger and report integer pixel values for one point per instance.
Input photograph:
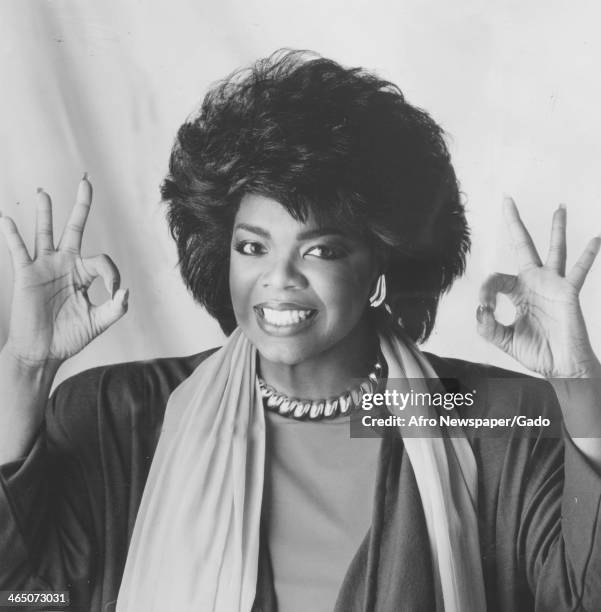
(73, 232)
(520, 237)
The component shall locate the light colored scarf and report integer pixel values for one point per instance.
(447, 479)
(195, 544)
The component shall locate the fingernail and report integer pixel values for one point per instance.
(39, 190)
(562, 207)
(85, 176)
(481, 311)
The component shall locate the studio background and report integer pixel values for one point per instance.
(103, 86)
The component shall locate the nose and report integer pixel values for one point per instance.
(283, 273)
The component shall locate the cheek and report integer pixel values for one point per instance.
(241, 285)
(345, 291)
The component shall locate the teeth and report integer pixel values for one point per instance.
(280, 318)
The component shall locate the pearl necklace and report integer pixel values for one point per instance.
(317, 409)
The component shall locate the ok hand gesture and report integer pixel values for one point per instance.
(52, 317)
(548, 334)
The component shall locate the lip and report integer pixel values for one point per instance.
(284, 306)
(284, 330)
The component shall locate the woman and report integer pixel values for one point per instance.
(318, 218)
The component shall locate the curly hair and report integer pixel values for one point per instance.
(338, 142)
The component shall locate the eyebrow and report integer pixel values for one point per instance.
(306, 235)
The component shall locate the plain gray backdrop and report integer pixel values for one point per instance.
(103, 87)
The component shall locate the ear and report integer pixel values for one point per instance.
(380, 266)
(375, 272)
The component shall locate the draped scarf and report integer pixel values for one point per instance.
(195, 543)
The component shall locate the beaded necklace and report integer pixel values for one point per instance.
(297, 408)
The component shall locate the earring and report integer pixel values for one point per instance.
(379, 294)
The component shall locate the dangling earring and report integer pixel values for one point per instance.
(379, 294)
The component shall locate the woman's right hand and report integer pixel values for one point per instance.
(52, 317)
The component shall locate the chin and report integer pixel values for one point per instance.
(286, 353)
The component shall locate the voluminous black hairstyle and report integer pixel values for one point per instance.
(339, 142)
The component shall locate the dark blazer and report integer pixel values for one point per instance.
(67, 510)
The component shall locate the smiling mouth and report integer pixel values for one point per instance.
(284, 318)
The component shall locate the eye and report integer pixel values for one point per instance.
(323, 251)
(248, 247)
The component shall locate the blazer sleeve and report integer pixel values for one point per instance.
(68, 509)
(559, 538)
(46, 518)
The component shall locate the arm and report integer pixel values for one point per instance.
(559, 545)
(558, 541)
(71, 504)
(549, 335)
(68, 508)
(47, 535)
(580, 401)
(43, 533)
(24, 391)
(51, 318)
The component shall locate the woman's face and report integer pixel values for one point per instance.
(297, 289)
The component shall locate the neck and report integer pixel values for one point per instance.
(331, 372)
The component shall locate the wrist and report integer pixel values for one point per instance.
(589, 368)
(580, 402)
(24, 391)
(34, 369)
(580, 366)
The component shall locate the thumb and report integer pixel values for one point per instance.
(111, 311)
(490, 329)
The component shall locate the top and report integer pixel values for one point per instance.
(317, 505)
(67, 510)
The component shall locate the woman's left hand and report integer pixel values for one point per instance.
(548, 335)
